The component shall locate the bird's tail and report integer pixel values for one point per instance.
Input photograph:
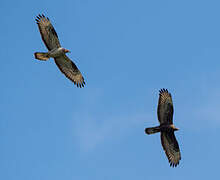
(41, 56)
(152, 130)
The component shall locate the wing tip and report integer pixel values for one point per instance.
(164, 91)
(174, 164)
(41, 17)
(80, 85)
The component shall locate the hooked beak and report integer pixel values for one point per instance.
(67, 51)
(174, 128)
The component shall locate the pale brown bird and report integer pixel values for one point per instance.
(50, 39)
(166, 128)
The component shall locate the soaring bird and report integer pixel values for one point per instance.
(166, 128)
(50, 39)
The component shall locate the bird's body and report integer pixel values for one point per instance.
(50, 39)
(166, 128)
(161, 128)
(54, 53)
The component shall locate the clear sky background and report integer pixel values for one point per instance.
(126, 50)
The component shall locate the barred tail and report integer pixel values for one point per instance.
(41, 56)
(152, 130)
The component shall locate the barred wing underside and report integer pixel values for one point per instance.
(70, 70)
(47, 32)
(171, 148)
(165, 107)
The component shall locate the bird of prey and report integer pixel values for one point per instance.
(166, 128)
(50, 39)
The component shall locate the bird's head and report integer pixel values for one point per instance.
(174, 128)
(66, 50)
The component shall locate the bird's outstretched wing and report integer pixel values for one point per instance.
(47, 32)
(171, 147)
(165, 107)
(70, 70)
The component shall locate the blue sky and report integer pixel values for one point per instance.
(126, 50)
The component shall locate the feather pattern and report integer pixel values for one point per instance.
(165, 107)
(171, 147)
(47, 32)
(70, 70)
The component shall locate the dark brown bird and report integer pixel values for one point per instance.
(50, 39)
(166, 128)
